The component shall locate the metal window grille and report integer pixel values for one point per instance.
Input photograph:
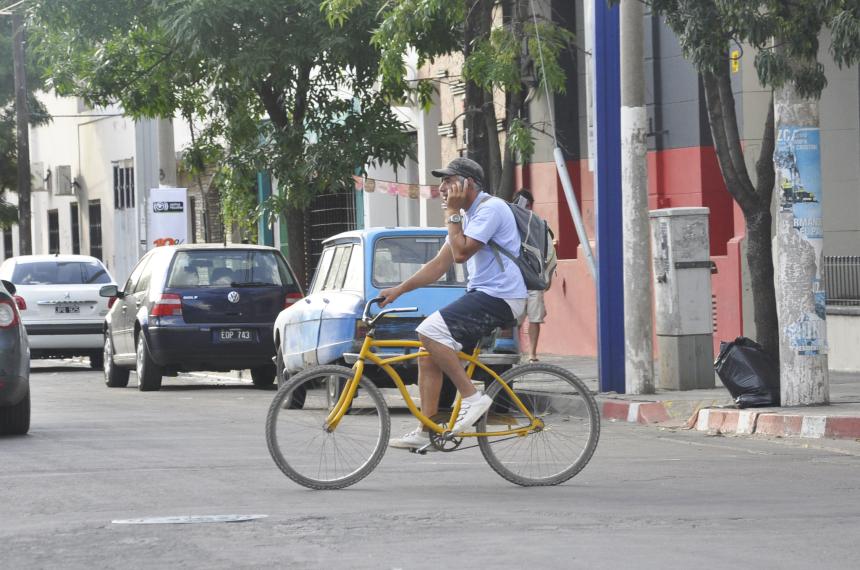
(123, 187)
(328, 214)
(95, 228)
(7, 243)
(76, 229)
(192, 205)
(842, 280)
(53, 231)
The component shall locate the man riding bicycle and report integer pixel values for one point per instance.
(495, 294)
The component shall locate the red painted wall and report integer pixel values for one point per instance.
(677, 177)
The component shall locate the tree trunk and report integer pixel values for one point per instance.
(295, 218)
(754, 204)
(22, 119)
(478, 22)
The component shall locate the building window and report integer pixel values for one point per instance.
(7, 243)
(192, 205)
(95, 211)
(76, 228)
(53, 231)
(123, 187)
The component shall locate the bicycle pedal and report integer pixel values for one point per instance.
(418, 451)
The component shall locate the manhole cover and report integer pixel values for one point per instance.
(191, 519)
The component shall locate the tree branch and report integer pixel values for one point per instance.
(765, 172)
(741, 194)
(730, 123)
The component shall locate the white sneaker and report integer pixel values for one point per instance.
(413, 440)
(471, 413)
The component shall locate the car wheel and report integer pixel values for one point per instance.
(281, 374)
(264, 376)
(115, 377)
(148, 372)
(15, 420)
(97, 360)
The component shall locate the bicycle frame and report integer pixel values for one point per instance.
(366, 355)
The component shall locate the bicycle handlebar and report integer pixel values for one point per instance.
(366, 317)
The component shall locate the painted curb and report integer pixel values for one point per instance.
(635, 412)
(748, 422)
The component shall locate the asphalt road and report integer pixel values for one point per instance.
(650, 498)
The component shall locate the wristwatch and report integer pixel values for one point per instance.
(455, 219)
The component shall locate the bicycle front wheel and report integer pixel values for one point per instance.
(317, 458)
(566, 440)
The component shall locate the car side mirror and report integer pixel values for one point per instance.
(110, 291)
(9, 286)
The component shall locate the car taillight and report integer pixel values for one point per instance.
(360, 330)
(111, 301)
(8, 315)
(167, 305)
(22, 304)
(291, 298)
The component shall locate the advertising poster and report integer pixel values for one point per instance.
(798, 162)
(167, 219)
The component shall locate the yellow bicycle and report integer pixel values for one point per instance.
(542, 428)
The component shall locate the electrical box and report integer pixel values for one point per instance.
(37, 177)
(682, 297)
(63, 183)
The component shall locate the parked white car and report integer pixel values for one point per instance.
(58, 299)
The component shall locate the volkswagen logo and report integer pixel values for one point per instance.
(233, 296)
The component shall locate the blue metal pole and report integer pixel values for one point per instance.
(264, 189)
(610, 277)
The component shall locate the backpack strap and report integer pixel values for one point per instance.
(493, 246)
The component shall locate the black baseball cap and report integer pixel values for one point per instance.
(461, 166)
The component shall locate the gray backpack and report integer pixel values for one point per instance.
(536, 258)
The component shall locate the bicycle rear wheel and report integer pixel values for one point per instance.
(565, 443)
(312, 456)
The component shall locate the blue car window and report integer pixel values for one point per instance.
(322, 271)
(395, 259)
(354, 279)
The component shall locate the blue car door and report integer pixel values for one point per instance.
(301, 330)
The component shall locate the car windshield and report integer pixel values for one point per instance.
(60, 273)
(229, 268)
(395, 259)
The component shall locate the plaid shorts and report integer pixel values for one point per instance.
(463, 323)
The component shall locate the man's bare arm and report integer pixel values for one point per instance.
(429, 273)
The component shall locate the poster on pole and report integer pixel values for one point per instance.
(167, 220)
(798, 164)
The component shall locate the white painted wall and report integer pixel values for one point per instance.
(843, 338)
(91, 141)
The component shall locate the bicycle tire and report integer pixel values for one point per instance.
(571, 426)
(309, 455)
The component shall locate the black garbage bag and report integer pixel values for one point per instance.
(749, 374)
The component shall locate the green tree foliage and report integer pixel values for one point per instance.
(501, 59)
(277, 88)
(784, 37)
(8, 150)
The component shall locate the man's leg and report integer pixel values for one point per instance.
(447, 362)
(429, 384)
(534, 334)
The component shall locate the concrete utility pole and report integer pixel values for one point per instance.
(798, 253)
(638, 328)
(22, 120)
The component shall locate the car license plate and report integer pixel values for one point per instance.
(67, 309)
(234, 335)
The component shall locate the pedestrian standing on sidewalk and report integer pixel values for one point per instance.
(495, 295)
(535, 308)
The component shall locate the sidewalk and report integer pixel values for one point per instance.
(710, 410)
(713, 410)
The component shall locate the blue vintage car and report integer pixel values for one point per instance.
(325, 327)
